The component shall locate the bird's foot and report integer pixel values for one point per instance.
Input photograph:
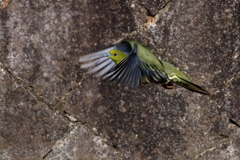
(168, 86)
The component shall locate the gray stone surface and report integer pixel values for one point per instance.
(51, 109)
(81, 144)
(29, 128)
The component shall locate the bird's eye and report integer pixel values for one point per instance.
(115, 54)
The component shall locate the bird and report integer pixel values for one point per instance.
(130, 64)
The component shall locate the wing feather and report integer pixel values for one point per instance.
(100, 66)
(94, 63)
(97, 63)
(127, 72)
(95, 55)
(105, 70)
(152, 73)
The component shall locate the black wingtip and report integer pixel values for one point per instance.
(127, 72)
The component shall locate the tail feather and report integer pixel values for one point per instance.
(192, 87)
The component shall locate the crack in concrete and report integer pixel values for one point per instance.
(47, 154)
(29, 89)
(162, 11)
(62, 100)
(142, 28)
(21, 82)
(151, 19)
(154, 18)
(74, 122)
(39, 99)
(65, 95)
(71, 118)
(148, 12)
(232, 121)
(71, 128)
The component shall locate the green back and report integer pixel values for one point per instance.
(148, 57)
(173, 71)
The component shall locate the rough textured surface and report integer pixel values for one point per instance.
(28, 127)
(81, 144)
(50, 109)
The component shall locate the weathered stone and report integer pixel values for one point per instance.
(28, 127)
(43, 90)
(81, 143)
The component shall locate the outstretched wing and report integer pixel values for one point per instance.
(98, 63)
(132, 69)
(127, 72)
(152, 68)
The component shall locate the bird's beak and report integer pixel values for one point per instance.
(106, 55)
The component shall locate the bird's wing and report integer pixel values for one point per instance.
(132, 69)
(152, 73)
(173, 72)
(98, 63)
(127, 72)
(152, 68)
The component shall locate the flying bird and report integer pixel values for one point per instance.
(130, 64)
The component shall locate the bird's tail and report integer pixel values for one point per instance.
(192, 87)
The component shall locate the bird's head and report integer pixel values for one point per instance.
(115, 55)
